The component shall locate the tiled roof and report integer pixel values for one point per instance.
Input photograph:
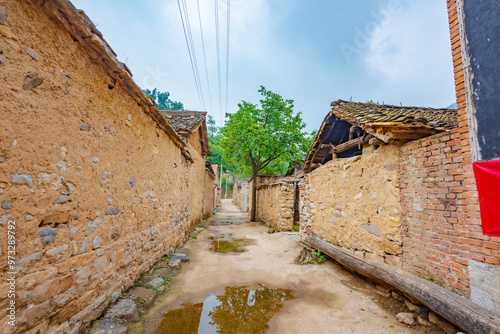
(369, 114)
(183, 121)
(350, 125)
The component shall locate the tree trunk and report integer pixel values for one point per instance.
(253, 209)
(456, 309)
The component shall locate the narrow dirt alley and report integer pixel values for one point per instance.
(260, 287)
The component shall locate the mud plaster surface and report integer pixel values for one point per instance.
(322, 304)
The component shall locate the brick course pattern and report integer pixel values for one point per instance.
(432, 198)
(441, 217)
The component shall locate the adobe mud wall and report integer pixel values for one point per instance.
(197, 180)
(98, 185)
(354, 203)
(208, 194)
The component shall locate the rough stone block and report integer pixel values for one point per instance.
(27, 262)
(7, 205)
(96, 243)
(143, 294)
(84, 245)
(115, 296)
(61, 167)
(112, 211)
(155, 283)
(48, 235)
(422, 321)
(406, 318)
(108, 326)
(180, 256)
(92, 226)
(22, 179)
(164, 272)
(396, 295)
(32, 80)
(57, 252)
(61, 200)
(3, 14)
(84, 126)
(371, 229)
(442, 323)
(412, 307)
(125, 309)
(175, 263)
(32, 53)
(132, 181)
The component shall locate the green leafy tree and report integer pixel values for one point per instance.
(227, 185)
(213, 129)
(257, 137)
(163, 101)
(216, 150)
(214, 141)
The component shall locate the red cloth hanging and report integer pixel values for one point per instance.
(488, 186)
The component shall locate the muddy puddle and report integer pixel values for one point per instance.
(221, 223)
(226, 243)
(238, 310)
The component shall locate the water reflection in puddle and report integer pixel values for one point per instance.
(225, 243)
(238, 310)
(225, 223)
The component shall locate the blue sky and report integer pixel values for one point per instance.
(313, 52)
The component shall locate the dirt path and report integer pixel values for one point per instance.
(325, 297)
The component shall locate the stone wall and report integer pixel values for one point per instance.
(208, 194)
(275, 204)
(237, 194)
(99, 186)
(244, 200)
(269, 204)
(242, 196)
(355, 203)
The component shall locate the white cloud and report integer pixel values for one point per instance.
(252, 50)
(410, 46)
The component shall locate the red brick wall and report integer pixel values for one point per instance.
(483, 248)
(432, 199)
(441, 217)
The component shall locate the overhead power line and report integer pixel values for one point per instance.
(195, 61)
(216, 3)
(227, 49)
(190, 45)
(204, 56)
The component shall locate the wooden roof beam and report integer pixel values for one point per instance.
(356, 142)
